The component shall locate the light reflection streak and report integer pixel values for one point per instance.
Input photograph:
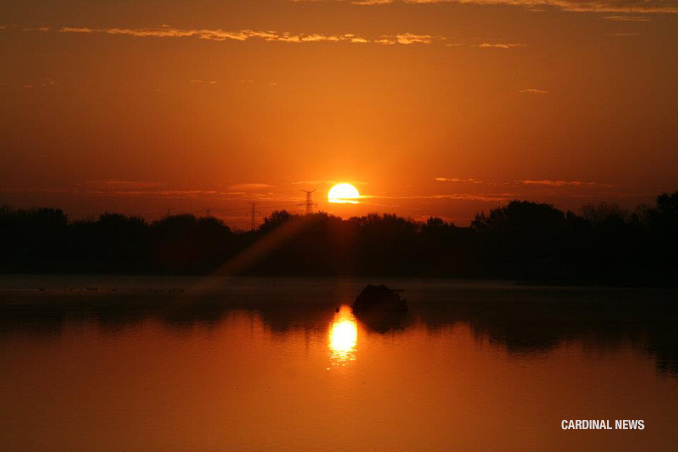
(343, 337)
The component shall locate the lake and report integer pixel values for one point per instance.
(247, 364)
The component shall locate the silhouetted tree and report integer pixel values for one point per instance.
(275, 219)
(187, 242)
(32, 235)
(604, 214)
(662, 230)
(522, 239)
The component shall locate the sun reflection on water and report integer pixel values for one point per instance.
(343, 336)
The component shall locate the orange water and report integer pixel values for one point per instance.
(238, 383)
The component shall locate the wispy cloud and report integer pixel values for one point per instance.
(119, 185)
(207, 82)
(131, 188)
(177, 194)
(504, 46)
(364, 2)
(558, 183)
(489, 197)
(115, 189)
(166, 32)
(268, 36)
(42, 83)
(245, 35)
(248, 187)
(456, 179)
(475, 197)
(529, 183)
(77, 30)
(610, 6)
(11, 189)
(409, 38)
(628, 18)
(534, 91)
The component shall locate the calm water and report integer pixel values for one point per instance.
(181, 364)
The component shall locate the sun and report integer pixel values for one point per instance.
(343, 193)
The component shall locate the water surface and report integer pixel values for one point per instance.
(178, 364)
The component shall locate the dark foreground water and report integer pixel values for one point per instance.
(182, 364)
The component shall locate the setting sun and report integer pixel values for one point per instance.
(426, 225)
(343, 193)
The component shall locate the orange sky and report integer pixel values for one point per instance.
(429, 107)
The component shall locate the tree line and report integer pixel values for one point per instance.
(522, 240)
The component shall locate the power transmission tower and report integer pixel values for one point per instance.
(308, 204)
(254, 215)
(209, 211)
(169, 212)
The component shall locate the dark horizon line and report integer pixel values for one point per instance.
(167, 213)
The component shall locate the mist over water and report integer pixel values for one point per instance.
(174, 364)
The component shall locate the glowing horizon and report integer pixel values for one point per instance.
(432, 108)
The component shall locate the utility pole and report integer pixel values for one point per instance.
(254, 215)
(308, 204)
